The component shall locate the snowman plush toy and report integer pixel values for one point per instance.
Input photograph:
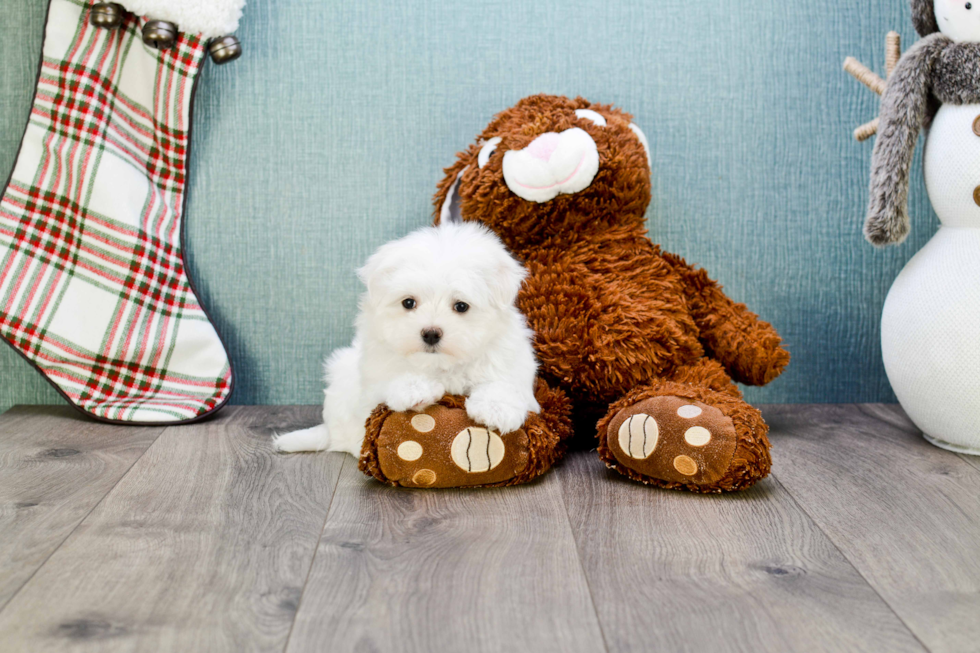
(930, 325)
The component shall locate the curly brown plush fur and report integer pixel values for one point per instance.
(614, 316)
(547, 432)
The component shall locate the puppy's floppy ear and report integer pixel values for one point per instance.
(507, 279)
(377, 269)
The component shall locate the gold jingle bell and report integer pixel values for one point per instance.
(107, 15)
(225, 49)
(159, 34)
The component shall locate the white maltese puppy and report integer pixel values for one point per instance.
(438, 317)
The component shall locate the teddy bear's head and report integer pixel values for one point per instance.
(547, 165)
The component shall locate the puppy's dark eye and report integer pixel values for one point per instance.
(461, 307)
(969, 5)
(408, 303)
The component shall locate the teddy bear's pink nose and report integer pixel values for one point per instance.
(544, 146)
(552, 164)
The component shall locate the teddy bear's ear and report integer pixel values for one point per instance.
(449, 211)
(447, 193)
(643, 141)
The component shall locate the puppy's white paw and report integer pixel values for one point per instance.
(413, 393)
(500, 411)
(312, 439)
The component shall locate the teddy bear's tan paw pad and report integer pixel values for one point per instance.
(673, 439)
(442, 447)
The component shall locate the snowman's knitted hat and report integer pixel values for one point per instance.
(924, 17)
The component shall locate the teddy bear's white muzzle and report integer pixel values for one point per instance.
(553, 164)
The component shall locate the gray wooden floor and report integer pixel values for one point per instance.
(200, 538)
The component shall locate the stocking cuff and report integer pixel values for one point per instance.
(209, 18)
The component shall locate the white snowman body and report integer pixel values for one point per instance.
(930, 325)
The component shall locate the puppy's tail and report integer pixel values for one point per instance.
(312, 439)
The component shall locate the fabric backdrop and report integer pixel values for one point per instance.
(327, 138)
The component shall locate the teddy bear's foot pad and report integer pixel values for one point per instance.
(673, 439)
(442, 447)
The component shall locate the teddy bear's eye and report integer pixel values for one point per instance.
(589, 114)
(488, 148)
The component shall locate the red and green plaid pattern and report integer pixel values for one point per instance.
(93, 288)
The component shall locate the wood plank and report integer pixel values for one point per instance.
(446, 570)
(55, 466)
(907, 514)
(972, 461)
(672, 571)
(203, 546)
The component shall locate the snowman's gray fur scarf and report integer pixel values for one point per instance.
(923, 17)
(934, 70)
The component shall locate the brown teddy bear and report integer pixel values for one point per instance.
(634, 336)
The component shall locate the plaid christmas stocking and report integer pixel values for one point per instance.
(93, 287)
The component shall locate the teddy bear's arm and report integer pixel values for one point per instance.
(903, 111)
(607, 316)
(749, 348)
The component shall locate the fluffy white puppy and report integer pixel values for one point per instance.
(438, 317)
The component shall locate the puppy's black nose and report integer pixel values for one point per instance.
(432, 336)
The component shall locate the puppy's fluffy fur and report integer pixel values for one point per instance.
(457, 280)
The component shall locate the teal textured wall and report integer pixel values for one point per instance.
(328, 137)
